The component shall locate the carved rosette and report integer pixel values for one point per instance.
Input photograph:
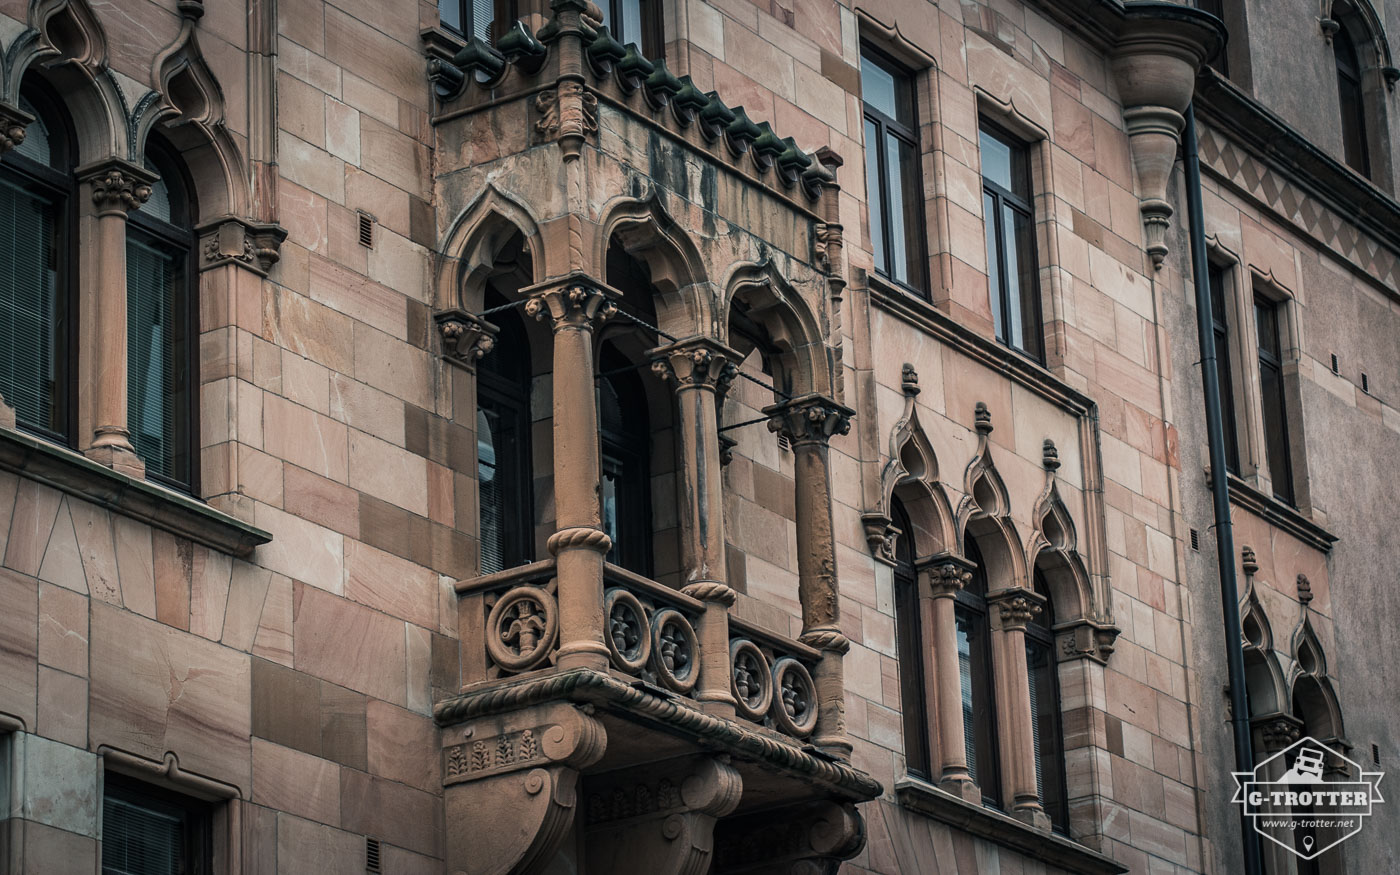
(571, 305)
(628, 638)
(252, 245)
(675, 651)
(521, 628)
(13, 121)
(696, 362)
(1014, 608)
(118, 187)
(809, 419)
(794, 708)
(750, 679)
(466, 338)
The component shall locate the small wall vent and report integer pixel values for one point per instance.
(1365, 383)
(784, 443)
(372, 864)
(366, 231)
(1336, 366)
(1195, 540)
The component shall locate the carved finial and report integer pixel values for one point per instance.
(984, 418)
(192, 10)
(909, 380)
(1049, 456)
(1251, 564)
(1305, 593)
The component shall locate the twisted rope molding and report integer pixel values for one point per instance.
(711, 591)
(586, 686)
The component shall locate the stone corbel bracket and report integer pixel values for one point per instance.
(1157, 52)
(466, 339)
(241, 242)
(812, 838)
(13, 122)
(659, 820)
(1086, 639)
(510, 786)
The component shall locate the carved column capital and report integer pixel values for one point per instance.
(574, 302)
(809, 418)
(465, 338)
(240, 242)
(946, 575)
(118, 186)
(1278, 731)
(1013, 609)
(696, 362)
(13, 121)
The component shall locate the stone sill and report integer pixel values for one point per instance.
(1277, 513)
(146, 502)
(1049, 848)
(1000, 358)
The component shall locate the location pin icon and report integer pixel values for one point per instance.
(1307, 843)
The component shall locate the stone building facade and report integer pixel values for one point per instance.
(683, 436)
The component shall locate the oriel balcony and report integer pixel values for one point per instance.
(637, 281)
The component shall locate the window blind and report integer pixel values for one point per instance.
(29, 317)
(155, 381)
(140, 841)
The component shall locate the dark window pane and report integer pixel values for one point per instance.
(1221, 329)
(1352, 105)
(1271, 395)
(483, 14)
(912, 197)
(873, 189)
(910, 640)
(158, 380)
(631, 25)
(1266, 324)
(990, 212)
(1020, 268)
(31, 312)
(1045, 727)
(146, 831)
(899, 246)
(450, 14)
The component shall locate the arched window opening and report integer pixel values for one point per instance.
(1351, 99)
(1046, 728)
(505, 486)
(37, 306)
(975, 671)
(162, 334)
(908, 619)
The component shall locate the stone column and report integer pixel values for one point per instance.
(117, 187)
(1011, 609)
(574, 305)
(943, 578)
(809, 422)
(701, 370)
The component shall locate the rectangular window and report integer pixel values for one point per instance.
(1220, 327)
(158, 383)
(894, 185)
(636, 21)
(978, 704)
(1352, 102)
(1271, 397)
(148, 831)
(482, 19)
(1011, 257)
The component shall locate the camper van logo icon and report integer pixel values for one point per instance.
(1308, 798)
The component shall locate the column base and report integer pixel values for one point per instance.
(1033, 816)
(961, 787)
(120, 459)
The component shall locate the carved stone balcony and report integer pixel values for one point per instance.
(625, 765)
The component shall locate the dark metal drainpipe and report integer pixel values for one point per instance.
(1220, 490)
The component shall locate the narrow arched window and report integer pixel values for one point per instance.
(625, 434)
(37, 307)
(1350, 98)
(908, 621)
(503, 470)
(1046, 730)
(162, 335)
(975, 672)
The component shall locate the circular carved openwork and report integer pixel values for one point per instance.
(794, 708)
(628, 638)
(749, 679)
(675, 651)
(521, 628)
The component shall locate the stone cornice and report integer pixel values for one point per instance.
(586, 686)
(1102, 22)
(145, 502)
(1227, 109)
(1046, 847)
(1276, 513)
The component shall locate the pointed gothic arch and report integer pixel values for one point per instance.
(495, 223)
(1053, 549)
(647, 231)
(798, 359)
(984, 513)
